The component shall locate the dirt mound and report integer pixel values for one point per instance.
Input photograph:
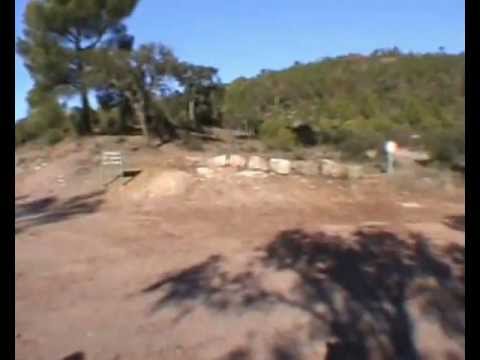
(154, 184)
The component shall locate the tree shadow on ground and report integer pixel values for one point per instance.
(75, 356)
(456, 222)
(50, 209)
(362, 283)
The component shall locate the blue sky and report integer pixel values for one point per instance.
(242, 37)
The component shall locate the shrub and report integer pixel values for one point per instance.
(356, 143)
(446, 146)
(276, 135)
(54, 136)
(47, 116)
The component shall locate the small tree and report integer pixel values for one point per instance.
(140, 75)
(202, 90)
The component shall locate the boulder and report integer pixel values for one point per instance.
(371, 154)
(281, 166)
(205, 172)
(333, 169)
(307, 168)
(218, 161)
(252, 174)
(354, 172)
(237, 161)
(257, 163)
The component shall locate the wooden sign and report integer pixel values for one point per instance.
(112, 159)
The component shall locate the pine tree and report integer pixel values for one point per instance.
(59, 37)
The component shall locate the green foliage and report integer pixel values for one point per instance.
(54, 136)
(59, 41)
(276, 134)
(48, 116)
(446, 145)
(354, 101)
(357, 142)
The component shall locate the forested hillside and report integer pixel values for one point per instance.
(356, 101)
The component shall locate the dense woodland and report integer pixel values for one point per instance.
(354, 102)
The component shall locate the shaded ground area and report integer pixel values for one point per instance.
(456, 222)
(354, 290)
(50, 209)
(233, 268)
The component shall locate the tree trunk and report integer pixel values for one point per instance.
(141, 115)
(86, 115)
(86, 126)
(166, 127)
(191, 111)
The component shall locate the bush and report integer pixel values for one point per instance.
(277, 136)
(356, 143)
(446, 146)
(54, 136)
(47, 116)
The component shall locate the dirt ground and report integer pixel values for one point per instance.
(175, 266)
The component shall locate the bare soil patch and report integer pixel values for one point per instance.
(173, 265)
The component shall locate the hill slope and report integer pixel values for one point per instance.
(355, 99)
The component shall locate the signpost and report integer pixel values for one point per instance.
(115, 160)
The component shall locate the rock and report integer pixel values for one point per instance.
(371, 154)
(218, 161)
(205, 172)
(308, 168)
(281, 166)
(237, 161)
(257, 163)
(354, 172)
(411, 205)
(252, 173)
(332, 169)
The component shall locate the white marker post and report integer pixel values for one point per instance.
(390, 149)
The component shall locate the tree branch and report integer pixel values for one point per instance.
(96, 41)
